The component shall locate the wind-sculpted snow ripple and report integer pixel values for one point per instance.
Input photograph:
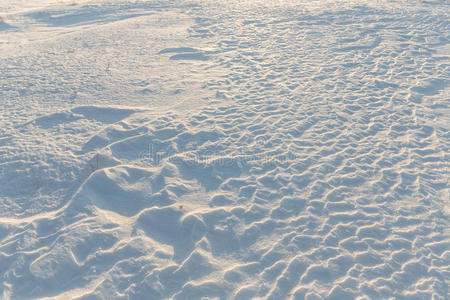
(318, 169)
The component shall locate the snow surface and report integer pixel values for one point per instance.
(206, 149)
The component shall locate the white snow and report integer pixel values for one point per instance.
(207, 149)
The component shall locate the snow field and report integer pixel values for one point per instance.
(203, 150)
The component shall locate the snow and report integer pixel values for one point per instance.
(224, 149)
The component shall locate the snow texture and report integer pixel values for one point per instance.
(206, 149)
